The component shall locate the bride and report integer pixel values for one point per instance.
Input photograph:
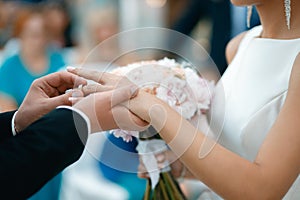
(257, 154)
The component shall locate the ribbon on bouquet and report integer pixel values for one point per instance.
(147, 150)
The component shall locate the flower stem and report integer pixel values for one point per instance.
(168, 186)
(175, 187)
(147, 194)
(163, 189)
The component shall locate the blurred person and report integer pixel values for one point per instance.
(58, 24)
(33, 60)
(7, 17)
(99, 24)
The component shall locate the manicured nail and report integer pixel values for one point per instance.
(134, 91)
(77, 94)
(72, 99)
(80, 86)
(69, 91)
(70, 68)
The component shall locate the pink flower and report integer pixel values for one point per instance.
(176, 84)
(125, 135)
(201, 88)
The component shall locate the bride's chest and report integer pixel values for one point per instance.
(254, 89)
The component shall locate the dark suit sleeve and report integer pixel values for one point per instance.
(35, 155)
(5, 124)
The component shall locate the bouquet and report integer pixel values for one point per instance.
(187, 93)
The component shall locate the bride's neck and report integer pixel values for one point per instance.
(273, 20)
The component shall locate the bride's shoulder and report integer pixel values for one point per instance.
(233, 45)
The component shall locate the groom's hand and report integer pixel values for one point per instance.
(44, 95)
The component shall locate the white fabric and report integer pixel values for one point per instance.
(59, 107)
(148, 149)
(83, 179)
(13, 129)
(255, 86)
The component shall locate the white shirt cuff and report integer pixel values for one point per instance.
(13, 130)
(84, 116)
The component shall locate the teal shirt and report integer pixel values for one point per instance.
(15, 79)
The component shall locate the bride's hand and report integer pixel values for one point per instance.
(106, 81)
(105, 111)
(144, 105)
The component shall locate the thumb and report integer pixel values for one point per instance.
(123, 94)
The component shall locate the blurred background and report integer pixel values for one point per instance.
(38, 37)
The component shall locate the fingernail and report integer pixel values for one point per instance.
(80, 86)
(71, 99)
(134, 91)
(76, 94)
(70, 68)
(68, 91)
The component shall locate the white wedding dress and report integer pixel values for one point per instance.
(255, 87)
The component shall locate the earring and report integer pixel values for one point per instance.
(287, 6)
(249, 14)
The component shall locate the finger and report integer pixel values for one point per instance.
(99, 77)
(63, 78)
(78, 82)
(58, 82)
(135, 120)
(75, 100)
(142, 124)
(142, 171)
(59, 100)
(66, 99)
(126, 121)
(75, 92)
(141, 168)
(93, 88)
(123, 94)
(77, 95)
(143, 175)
